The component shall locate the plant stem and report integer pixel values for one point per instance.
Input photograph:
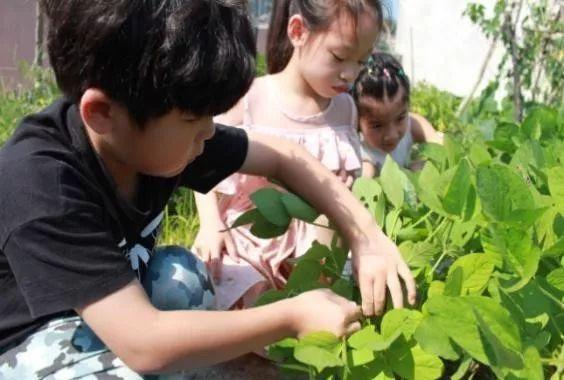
(436, 230)
(422, 220)
(439, 261)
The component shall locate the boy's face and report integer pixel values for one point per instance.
(165, 145)
(331, 60)
(383, 123)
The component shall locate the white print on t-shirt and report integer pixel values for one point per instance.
(139, 251)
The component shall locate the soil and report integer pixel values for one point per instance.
(247, 367)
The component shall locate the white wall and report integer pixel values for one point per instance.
(441, 46)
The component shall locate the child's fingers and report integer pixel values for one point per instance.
(367, 294)
(355, 312)
(395, 290)
(353, 327)
(215, 265)
(231, 248)
(409, 281)
(379, 293)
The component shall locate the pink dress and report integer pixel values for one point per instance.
(332, 137)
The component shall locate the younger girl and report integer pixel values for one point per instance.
(315, 51)
(381, 93)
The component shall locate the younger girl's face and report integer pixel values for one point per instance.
(384, 122)
(331, 60)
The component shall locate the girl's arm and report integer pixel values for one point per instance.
(368, 170)
(233, 117)
(423, 131)
(376, 259)
(210, 241)
(149, 340)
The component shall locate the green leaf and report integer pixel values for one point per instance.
(435, 154)
(540, 123)
(317, 357)
(557, 250)
(501, 191)
(393, 223)
(532, 369)
(360, 357)
(413, 363)
(453, 284)
(374, 370)
(393, 181)
(263, 229)
(462, 368)
(436, 288)
(321, 339)
(343, 288)
(504, 135)
(271, 296)
(457, 192)
(368, 338)
(504, 357)
(419, 254)
(298, 208)
(477, 269)
(428, 188)
(317, 252)
(556, 278)
(458, 321)
(404, 320)
(453, 150)
(283, 349)
(269, 204)
(305, 272)
(246, 218)
(479, 155)
(518, 253)
(368, 191)
(432, 338)
(556, 184)
(498, 320)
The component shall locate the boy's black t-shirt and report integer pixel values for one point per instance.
(66, 237)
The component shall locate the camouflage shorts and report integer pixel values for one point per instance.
(67, 348)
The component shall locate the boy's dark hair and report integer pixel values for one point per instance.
(317, 14)
(382, 77)
(153, 55)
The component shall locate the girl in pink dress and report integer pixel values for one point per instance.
(315, 51)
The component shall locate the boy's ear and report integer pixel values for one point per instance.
(96, 110)
(297, 30)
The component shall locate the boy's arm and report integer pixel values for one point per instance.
(149, 340)
(377, 261)
(423, 131)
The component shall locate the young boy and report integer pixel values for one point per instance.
(83, 185)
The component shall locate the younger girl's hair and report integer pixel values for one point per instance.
(317, 15)
(382, 77)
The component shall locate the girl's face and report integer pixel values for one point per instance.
(384, 122)
(330, 61)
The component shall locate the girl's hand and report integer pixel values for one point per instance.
(323, 310)
(346, 177)
(209, 245)
(377, 265)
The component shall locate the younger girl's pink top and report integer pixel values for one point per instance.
(330, 136)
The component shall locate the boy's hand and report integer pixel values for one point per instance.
(377, 265)
(209, 245)
(323, 310)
